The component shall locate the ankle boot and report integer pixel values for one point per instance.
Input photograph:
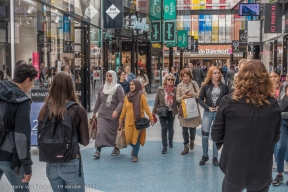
(186, 149)
(170, 143)
(191, 144)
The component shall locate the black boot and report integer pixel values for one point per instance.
(203, 160)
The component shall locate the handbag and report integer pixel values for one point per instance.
(162, 111)
(120, 142)
(92, 128)
(190, 108)
(142, 123)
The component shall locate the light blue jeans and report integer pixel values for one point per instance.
(207, 120)
(276, 148)
(283, 146)
(14, 179)
(136, 147)
(64, 177)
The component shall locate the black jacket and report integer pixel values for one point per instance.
(249, 134)
(280, 98)
(205, 99)
(198, 74)
(125, 86)
(16, 145)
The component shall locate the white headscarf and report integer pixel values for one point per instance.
(110, 88)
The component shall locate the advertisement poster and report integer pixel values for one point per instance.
(273, 18)
(35, 62)
(35, 109)
(156, 74)
(96, 74)
(164, 73)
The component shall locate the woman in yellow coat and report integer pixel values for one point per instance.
(135, 104)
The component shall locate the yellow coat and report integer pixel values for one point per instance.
(131, 133)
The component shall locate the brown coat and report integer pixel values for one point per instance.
(181, 89)
(160, 100)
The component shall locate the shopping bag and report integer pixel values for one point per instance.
(189, 108)
(92, 128)
(120, 138)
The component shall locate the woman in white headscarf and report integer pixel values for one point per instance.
(109, 103)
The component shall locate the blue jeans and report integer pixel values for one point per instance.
(283, 146)
(207, 120)
(276, 148)
(64, 177)
(13, 178)
(136, 147)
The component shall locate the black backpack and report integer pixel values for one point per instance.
(57, 140)
(3, 120)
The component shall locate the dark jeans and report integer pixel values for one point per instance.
(167, 125)
(229, 187)
(186, 134)
(283, 146)
(136, 147)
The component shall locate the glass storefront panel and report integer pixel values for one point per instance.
(208, 28)
(228, 29)
(5, 49)
(201, 29)
(215, 29)
(222, 28)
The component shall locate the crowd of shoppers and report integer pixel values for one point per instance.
(122, 101)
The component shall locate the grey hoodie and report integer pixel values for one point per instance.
(16, 145)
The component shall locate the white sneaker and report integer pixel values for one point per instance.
(274, 168)
(286, 167)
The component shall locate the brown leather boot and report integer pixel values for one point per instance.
(186, 150)
(191, 144)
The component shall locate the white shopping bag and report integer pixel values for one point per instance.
(190, 108)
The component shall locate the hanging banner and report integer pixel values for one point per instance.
(155, 32)
(182, 38)
(242, 40)
(235, 46)
(273, 18)
(155, 8)
(169, 31)
(113, 14)
(286, 22)
(189, 46)
(169, 9)
(194, 45)
(171, 44)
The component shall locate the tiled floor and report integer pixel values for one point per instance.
(153, 172)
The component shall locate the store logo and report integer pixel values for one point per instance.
(167, 8)
(235, 44)
(95, 51)
(243, 37)
(155, 7)
(182, 39)
(112, 11)
(41, 38)
(155, 31)
(171, 9)
(214, 51)
(91, 12)
(169, 34)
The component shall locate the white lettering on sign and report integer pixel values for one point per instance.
(112, 11)
(214, 51)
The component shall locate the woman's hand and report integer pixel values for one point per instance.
(211, 109)
(94, 115)
(115, 114)
(152, 122)
(143, 86)
(120, 122)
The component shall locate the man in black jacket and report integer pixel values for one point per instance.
(15, 157)
(198, 74)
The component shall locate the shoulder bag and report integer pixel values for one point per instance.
(162, 111)
(142, 123)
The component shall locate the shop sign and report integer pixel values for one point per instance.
(170, 9)
(242, 36)
(95, 51)
(169, 31)
(214, 51)
(155, 8)
(156, 45)
(235, 46)
(96, 74)
(273, 18)
(182, 38)
(155, 32)
(253, 35)
(91, 12)
(69, 47)
(113, 14)
(173, 44)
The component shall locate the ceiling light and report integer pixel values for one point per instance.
(31, 9)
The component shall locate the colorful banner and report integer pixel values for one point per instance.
(169, 31)
(182, 38)
(155, 8)
(155, 31)
(170, 9)
(36, 62)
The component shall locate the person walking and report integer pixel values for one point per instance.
(176, 75)
(129, 76)
(135, 104)
(144, 80)
(61, 93)
(109, 103)
(122, 81)
(188, 89)
(224, 70)
(1, 75)
(198, 74)
(210, 96)
(253, 103)
(166, 98)
(275, 78)
(230, 76)
(15, 157)
(283, 142)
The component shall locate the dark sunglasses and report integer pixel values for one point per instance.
(216, 73)
(170, 79)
